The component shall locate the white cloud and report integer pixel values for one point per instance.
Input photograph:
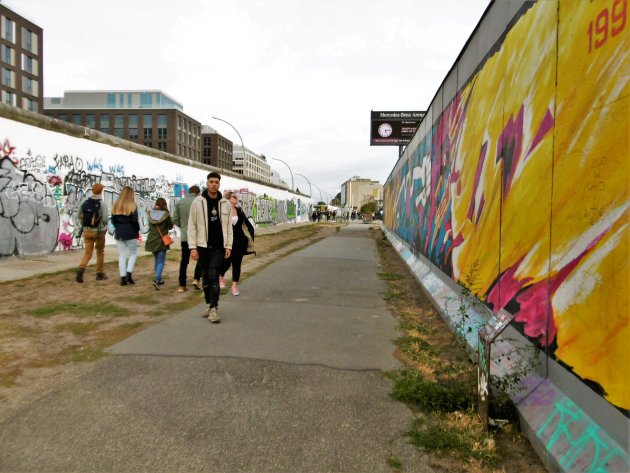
(298, 78)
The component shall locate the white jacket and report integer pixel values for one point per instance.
(198, 223)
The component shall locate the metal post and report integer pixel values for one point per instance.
(276, 159)
(310, 189)
(239, 135)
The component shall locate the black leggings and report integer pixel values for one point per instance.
(235, 261)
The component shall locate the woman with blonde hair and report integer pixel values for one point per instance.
(126, 231)
(240, 225)
(159, 224)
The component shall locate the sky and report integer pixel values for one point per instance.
(297, 78)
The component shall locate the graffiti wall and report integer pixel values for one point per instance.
(518, 186)
(45, 177)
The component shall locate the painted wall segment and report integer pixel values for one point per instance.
(45, 177)
(521, 186)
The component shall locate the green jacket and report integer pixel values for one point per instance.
(157, 219)
(181, 211)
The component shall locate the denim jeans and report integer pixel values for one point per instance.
(159, 260)
(127, 252)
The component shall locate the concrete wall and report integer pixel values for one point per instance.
(517, 186)
(47, 169)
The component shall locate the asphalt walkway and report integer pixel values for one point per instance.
(289, 381)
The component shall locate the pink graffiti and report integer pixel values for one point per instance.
(66, 241)
(54, 180)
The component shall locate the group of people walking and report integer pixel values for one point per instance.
(215, 233)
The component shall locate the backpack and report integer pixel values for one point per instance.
(91, 213)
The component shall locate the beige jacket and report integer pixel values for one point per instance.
(198, 223)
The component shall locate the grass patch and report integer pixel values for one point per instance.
(19, 331)
(456, 434)
(143, 300)
(79, 309)
(80, 329)
(393, 294)
(389, 276)
(444, 395)
(394, 463)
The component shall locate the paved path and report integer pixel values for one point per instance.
(289, 381)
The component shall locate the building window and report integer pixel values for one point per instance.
(76, 119)
(162, 146)
(119, 126)
(111, 100)
(148, 144)
(8, 55)
(63, 117)
(8, 77)
(146, 100)
(162, 121)
(206, 152)
(133, 127)
(29, 40)
(147, 123)
(30, 86)
(104, 124)
(30, 64)
(29, 104)
(9, 98)
(8, 29)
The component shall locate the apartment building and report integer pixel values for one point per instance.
(148, 117)
(217, 150)
(21, 61)
(251, 165)
(356, 192)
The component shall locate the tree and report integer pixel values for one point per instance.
(368, 208)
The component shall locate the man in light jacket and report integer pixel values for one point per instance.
(181, 213)
(210, 240)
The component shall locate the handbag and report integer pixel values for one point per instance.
(250, 242)
(166, 239)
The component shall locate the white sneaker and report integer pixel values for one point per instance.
(235, 291)
(206, 311)
(213, 316)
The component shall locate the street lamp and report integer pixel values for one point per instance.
(276, 159)
(320, 192)
(239, 135)
(310, 189)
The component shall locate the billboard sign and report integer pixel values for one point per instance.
(393, 128)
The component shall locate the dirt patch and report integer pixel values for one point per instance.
(432, 354)
(51, 327)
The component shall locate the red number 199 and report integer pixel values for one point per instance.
(604, 21)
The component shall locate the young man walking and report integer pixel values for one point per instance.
(93, 226)
(210, 240)
(181, 214)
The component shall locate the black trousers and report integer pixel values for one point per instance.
(211, 259)
(183, 265)
(235, 260)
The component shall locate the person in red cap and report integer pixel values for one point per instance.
(92, 224)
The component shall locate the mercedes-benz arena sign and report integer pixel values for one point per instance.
(393, 128)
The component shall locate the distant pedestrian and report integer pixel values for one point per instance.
(126, 231)
(210, 240)
(159, 224)
(181, 211)
(242, 237)
(92, 224)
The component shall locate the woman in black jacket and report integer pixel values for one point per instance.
(126, 231)
(240, 243)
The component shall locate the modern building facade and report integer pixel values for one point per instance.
(148, 117)
(356, 192)
(21, 61)
(251, 165)
(217, 150)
